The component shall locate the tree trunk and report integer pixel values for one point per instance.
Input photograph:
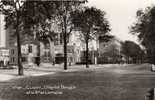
(65, 44)
(20, 67)
(52, 54)
(87, 54)
(127, 60)
(38, 54)
(153, 60)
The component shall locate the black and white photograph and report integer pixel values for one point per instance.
(77, 49)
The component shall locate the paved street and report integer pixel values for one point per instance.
(100, 82)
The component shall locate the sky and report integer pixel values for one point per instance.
(121, 14)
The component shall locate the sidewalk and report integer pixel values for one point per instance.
(6, 75)
(43, 69)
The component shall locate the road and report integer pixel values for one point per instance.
(114, 82)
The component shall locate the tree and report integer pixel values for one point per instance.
(46, 35)
(64, 18)
(53, 12)
(106, 48)
(112, 51)
(91, 23)
(12, 9)
(131, 50)
(144, 28)
(25, 17)
(47, 13)
(38, 18)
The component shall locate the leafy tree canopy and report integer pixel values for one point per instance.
(90, 21)
(144, 27)
(131, 49)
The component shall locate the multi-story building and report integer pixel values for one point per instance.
(2, 31)
(48, 51)
(29, 49)
(4, 51)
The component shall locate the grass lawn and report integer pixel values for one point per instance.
(95, 84)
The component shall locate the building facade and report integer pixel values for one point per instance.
(4, 51)
(30, 48)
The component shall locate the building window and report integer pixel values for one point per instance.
(13, 59)
(56, 42)
(30, 49)
(24, 59)
(12, 51)
(47, 54)
(61, 39)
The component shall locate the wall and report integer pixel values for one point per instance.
(2, 31)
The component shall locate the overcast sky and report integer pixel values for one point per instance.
(121, 14)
